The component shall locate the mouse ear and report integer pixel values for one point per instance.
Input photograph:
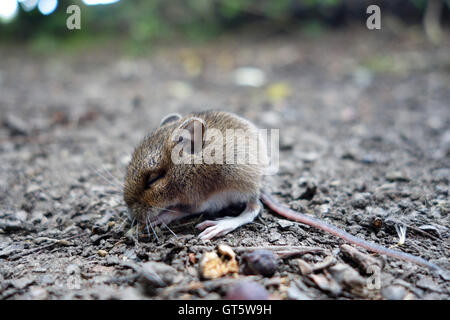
(194, 133)
(170, 118)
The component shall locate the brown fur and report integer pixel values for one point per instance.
(187, 185)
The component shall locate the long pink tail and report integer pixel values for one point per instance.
(322, 225)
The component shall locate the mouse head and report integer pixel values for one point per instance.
(157, 188)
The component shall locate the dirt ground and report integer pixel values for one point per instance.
(364, 121)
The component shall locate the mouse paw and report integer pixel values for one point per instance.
(212, 229)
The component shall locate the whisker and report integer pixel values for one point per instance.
(110, 174)
(125, 219)
(131, 227)
(154, 232)
(137, 232)
(146, 226)
(98, 172)
(113, 183)
(169, 229)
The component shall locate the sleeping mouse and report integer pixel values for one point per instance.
(207, 162)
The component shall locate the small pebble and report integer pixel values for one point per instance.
(285, 224)
(248, 76)
(192, 258)
(294, 293)
(38, 293)
(102, 253)
(73, 269)
(396, 176)
(274, 236)
(157, 275)
(394, 293)
(247, 290)
(361, 200)
(305, 267)
(426, 282)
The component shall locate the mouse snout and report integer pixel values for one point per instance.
(140, 212)
(149, 215)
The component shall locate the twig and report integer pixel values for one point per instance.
(282, 251)
(55, 242)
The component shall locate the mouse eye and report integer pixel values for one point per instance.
(151, 178)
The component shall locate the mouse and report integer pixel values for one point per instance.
(206, 162)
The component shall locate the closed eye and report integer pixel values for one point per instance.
(151, 178)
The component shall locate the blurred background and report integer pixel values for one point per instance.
(140, 23)
(194, 53)
(308, 63)
(279, 63)
(363, 114)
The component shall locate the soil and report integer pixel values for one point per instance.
(364, 121)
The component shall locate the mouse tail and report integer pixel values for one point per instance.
(324, 226)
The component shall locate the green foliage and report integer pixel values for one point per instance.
(419, 3)
(141, 22)
(317, 3)
(313, 28)
(232, 8)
